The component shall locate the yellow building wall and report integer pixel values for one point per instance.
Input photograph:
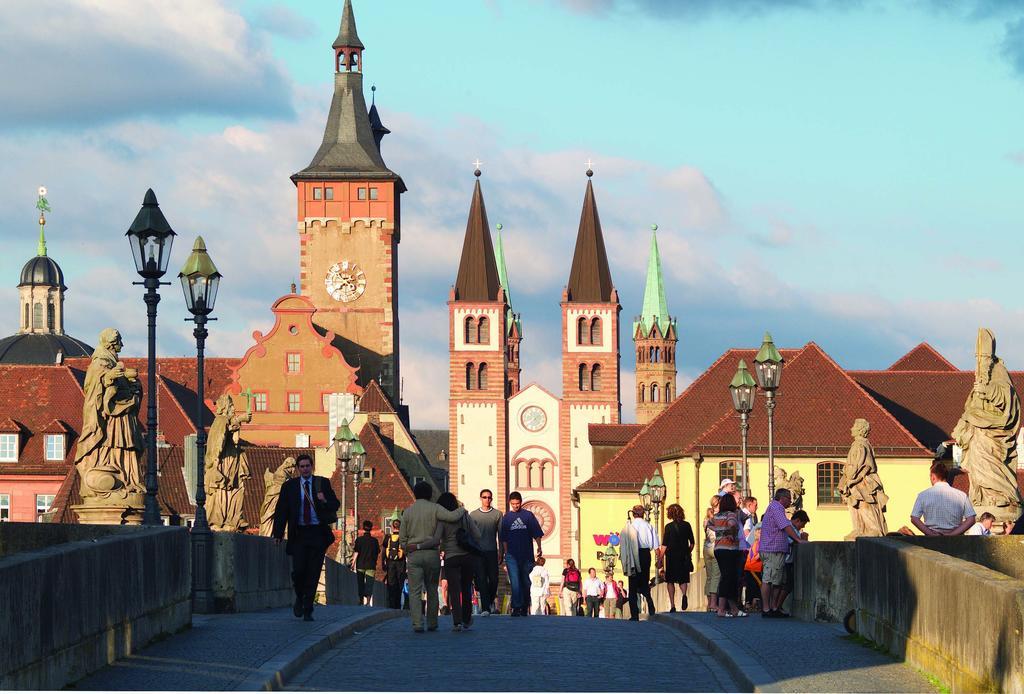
(601, 513)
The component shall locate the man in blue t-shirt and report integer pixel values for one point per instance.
(519, 530)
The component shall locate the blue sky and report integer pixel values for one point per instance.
(843, 172)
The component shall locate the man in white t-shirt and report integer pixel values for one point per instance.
(593, 589)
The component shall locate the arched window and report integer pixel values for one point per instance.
(481, 383)
(732, 470)
(483, 331)
(522, 473)
(654, 392)
(547, 475)
(657, 355)
(650, 355)
(28, 310)
(353, 62)
(828, 475)
(640, 355)
(534, 479)
(642, 389)
(595, 377)
(470, 376)
(50, 317)
(470, 330)
(37, 315)
(582, 331)
(584, 377)
(668, 392)
(595, 331)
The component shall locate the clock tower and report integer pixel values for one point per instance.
(349, 225)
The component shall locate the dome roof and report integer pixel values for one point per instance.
(42, 271)
(26, 348)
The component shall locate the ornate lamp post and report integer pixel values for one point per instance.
(657, 489)
(743, 388)
(645, 495)
(356, 466)
(200, 281)
(768, 365)
(343, 440)
(151, 238)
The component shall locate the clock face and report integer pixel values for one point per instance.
(345, 281)
(533, 418)
(545, 516)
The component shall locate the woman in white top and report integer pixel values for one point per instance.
(540, 584)
(593, 589)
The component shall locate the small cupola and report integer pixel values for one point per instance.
(348, 49)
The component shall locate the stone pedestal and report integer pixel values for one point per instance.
(120, 512)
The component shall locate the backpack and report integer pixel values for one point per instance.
(573, 577)
(393, 551)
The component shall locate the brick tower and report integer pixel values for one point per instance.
(478, 368)
(590, 356)
(513, 323)
(654, 335)
(349, 225)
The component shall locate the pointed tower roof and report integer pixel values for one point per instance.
(349, 149)
(376, 126)
(590, 279)
(348, 37)
(655, 309)
(499, 259)
(478, 272)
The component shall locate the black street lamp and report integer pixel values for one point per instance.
(656, 485)
(151, 238)
(199, 281)
(768, 366)
(743, 388)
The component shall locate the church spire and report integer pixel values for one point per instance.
(478, 274)
(499, 259)
(376, 126)
(348, 37)
(655, 307)
(590, 279)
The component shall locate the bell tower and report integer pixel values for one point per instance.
(654, 336)
(478, 368)
(349, 225)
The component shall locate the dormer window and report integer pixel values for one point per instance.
(55, 446)
(8, 448)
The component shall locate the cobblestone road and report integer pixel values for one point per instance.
(505, 654)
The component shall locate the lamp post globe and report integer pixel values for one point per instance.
(199, 282)
(151, 238)
(657, 487)
(743, 388)
(645, 494)
(343, 440)
(768, 366)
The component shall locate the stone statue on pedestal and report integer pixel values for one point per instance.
(987, 433)
(111, 449)
(861, 488)
(226, 469)
(273, 479)
(795, 484)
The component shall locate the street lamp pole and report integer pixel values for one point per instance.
(768, 366)
(743, 389)
(346, 448)
(151, 239)
(200, 281)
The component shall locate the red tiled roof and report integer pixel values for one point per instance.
(261, 459)
(924, 357)
(928, 403)
(33, 398)
(613, 434)
(817, 403)
(699, 407)
(375, 400)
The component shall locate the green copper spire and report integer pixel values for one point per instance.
(655, 305)
(499, 260)
(43, 206)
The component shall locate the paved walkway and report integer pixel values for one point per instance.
(232, 651)
(775, 655)
(550, 654)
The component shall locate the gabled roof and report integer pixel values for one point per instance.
(34, 401)
(590, 279)
(817, 403)
(697, 408)
(375, 400)
(924, 357)
(478, 273)
(612, 434)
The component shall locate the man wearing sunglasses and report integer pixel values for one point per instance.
(488, 520)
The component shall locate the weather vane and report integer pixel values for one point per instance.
(43, 205)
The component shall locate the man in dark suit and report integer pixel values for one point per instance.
(309, 508)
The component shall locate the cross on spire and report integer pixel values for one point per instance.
(476, 166)
(590, 168)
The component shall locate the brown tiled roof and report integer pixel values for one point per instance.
(927, 403)
(477, 279)
(387, 489)
(613, 434)
(261, 459)
(924, 357)
(590, 278)
(375, 400)
(34, 400)
(817, 403)
(697, 409)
